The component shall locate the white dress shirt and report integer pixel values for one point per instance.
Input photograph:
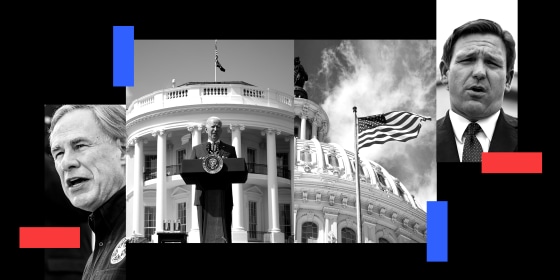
(484, 136)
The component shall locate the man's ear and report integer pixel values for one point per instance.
(443, 69)
(509, 79)
(122, 147)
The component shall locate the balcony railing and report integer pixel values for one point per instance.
(174, 170)
(150, 173)
(210, 94)
(281, 171)
(258, 236)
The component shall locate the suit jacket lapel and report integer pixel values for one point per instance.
(446, 148)
(505, 135)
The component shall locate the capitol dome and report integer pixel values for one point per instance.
(324, 195)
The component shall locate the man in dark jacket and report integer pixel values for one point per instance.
(88, 147)
(214, 201)
(477, 67)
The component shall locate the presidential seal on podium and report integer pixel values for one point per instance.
(212, 164)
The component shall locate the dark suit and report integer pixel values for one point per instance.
(201, 191)
(503, 140)
(64, 264)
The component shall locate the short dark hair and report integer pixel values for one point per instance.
(480, 26)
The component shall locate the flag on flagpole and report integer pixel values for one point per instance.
(392, 126)
(217, 62)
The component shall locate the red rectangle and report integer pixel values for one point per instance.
(49, 237)
(513, 162)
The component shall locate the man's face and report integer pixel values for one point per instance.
(90, 165)
(477, 76)
(214, 127)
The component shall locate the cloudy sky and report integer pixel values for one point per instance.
(377, 77)
(263, 63)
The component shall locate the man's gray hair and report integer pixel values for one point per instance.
(110, 118)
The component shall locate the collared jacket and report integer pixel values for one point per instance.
(224, 150)
(503, 140)
(108, 222)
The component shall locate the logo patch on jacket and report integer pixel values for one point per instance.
(119, 252)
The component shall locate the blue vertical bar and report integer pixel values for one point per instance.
(437, 234)
(123, 56)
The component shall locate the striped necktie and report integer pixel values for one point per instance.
(472, 149)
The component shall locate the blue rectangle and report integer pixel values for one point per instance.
(123, 56)
(437, 237)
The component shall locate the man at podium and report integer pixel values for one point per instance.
(214, 201)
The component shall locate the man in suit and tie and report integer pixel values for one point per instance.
(477, 67)
(214, 201)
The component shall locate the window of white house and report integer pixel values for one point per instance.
(252, 220)
(149, 221)
(150, 167)
(285, 220)
(251, 156)
(182, 215)
(181, 154)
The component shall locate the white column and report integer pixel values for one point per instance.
(238, 232)
(129, 184)
(330, 219)
(334, 227)
(303, 127)
(161, 193)
(314, 128)
(373, 233)
(291, 166)
(326, 229)
(276, 235)
(194, 234)
(295, 223)
(138, 198)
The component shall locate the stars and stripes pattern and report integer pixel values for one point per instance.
(393, 126)
(217, 62)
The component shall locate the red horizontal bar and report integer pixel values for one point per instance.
(512, 162)
(49, 237)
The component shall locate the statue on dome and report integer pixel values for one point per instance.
(300, 77)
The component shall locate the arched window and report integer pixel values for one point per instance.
(309, 232)
(333, 160)
(383, 240)
(381, 179)
(348, 235)
(305, 154)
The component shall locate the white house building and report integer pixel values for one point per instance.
(164, 126)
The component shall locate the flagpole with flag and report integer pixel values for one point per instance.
(216, 62)
(215, 58)
(378, 129)
(358, 196)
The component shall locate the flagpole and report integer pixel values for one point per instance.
(215, 52)
(358, 204)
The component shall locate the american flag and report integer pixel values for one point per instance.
(217, 62)
(392, 126)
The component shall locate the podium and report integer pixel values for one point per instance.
(172, 237)
(234, 170)
(213, 195)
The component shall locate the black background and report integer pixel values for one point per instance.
(67, 58)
